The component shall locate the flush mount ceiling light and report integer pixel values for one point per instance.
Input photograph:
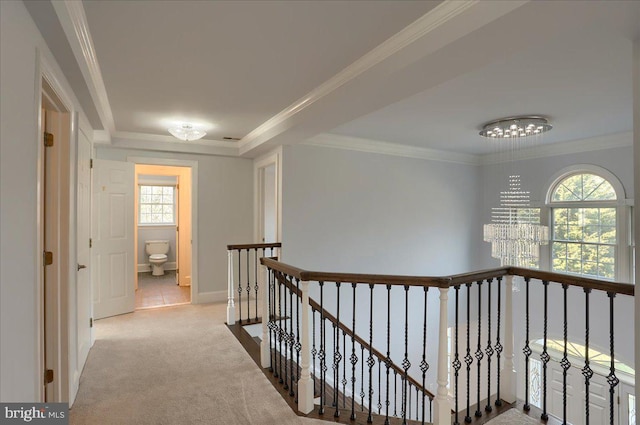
(187, 133)
(515, 127)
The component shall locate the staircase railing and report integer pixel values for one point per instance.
(479, 332)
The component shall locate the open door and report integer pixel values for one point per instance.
(113, 243)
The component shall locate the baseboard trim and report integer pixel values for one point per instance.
(169, 265)
(211, 297)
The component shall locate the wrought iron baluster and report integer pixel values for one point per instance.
(430, 409)
(248, 287)
(565, 360)
(612, 379)
(322, 353)
(467, 358)
(489, 349)
(545, 355)
(337, 357)
(353, 358)
(498, 346)
(527, 349)
(407, 412)
(478, 353)
(424, 366)
(388, 359)
(314, 351)
(370, 360)
(240, 285)
(586, 370)
(298, 346)
(285, 336)
(456, 357)
(270, 317)
(362, 394)
(395, 393)
(344, 370)
(406, 364)
(379, 388)
(417, 404)
(255, 263)
(280, 325)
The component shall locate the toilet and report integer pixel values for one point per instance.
(157, 251)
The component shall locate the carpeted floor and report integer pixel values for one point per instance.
(513, 417)
(175, 365)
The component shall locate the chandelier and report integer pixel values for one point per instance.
(186, 132)
(515, 127)
(515, 232)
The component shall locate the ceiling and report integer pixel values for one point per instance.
(418, 74)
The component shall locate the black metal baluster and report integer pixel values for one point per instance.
(255, 264)
(408, 395)
(379, 388)
(370, 360)
(344, 370)
(545, 355)
(498, 346)
(292, 339)
(612, 379)
(478, 353)
(430, 409)
(417, 404)
(395, 392)
(322, 354)
(337, 357)
(565, 361)
(248, 288)
(586, 370)
(467, 358)
(406, 364)
(298, 346)
(285, 336)
(240, 286)
(424, 366)
(353, 358)
(489, 350)
(456, 357)
(362, 394)
(270, 317)
(280, 326)
(314, 351)
(388, 359)
(527, 349)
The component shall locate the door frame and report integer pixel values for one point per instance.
(60, 308)
(194, 209)
(259, 164)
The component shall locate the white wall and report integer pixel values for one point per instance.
(363, 212)
(21, 48)
(225, 211)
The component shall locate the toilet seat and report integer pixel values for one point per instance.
(157, 257)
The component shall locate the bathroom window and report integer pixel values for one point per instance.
(156, 205)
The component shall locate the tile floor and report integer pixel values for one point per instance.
(158, 291)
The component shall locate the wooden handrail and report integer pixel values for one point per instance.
(315, 306)
(254, 246)
(449, 281)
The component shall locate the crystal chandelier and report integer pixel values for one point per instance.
(515, 233)
(515, 127)
(186, 132)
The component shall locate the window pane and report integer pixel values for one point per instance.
(604, 192)
(564, 193)
(167, 191)
(608, 234)
(145, 209)
(590, 183)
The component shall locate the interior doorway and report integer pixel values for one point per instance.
(163, 235)
(268, 210)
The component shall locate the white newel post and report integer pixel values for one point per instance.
(305, 384)
(442, 414)
(231, 306)
(508, 374)
(265, 344)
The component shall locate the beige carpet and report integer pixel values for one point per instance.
(175, 365)
(513, 417)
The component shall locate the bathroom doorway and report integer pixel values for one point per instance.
(163, 234)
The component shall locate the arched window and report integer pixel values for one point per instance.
(584, 225)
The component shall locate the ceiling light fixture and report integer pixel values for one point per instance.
(514, 127)
(187, 133)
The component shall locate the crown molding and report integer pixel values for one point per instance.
(609, 141)
(159, 143)
(432, 20)
(386, 148)
(170, 139)
(74, 22)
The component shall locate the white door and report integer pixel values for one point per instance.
(627, 405)
(113, 242)
(83, 289)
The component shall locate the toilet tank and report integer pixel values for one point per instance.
(156, 247)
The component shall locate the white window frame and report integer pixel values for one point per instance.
(140, 203)
(623, 217)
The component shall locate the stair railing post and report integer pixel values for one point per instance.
(442, 409)
(508, 375)
(265, 342)
(231, 306)
(305, 384)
